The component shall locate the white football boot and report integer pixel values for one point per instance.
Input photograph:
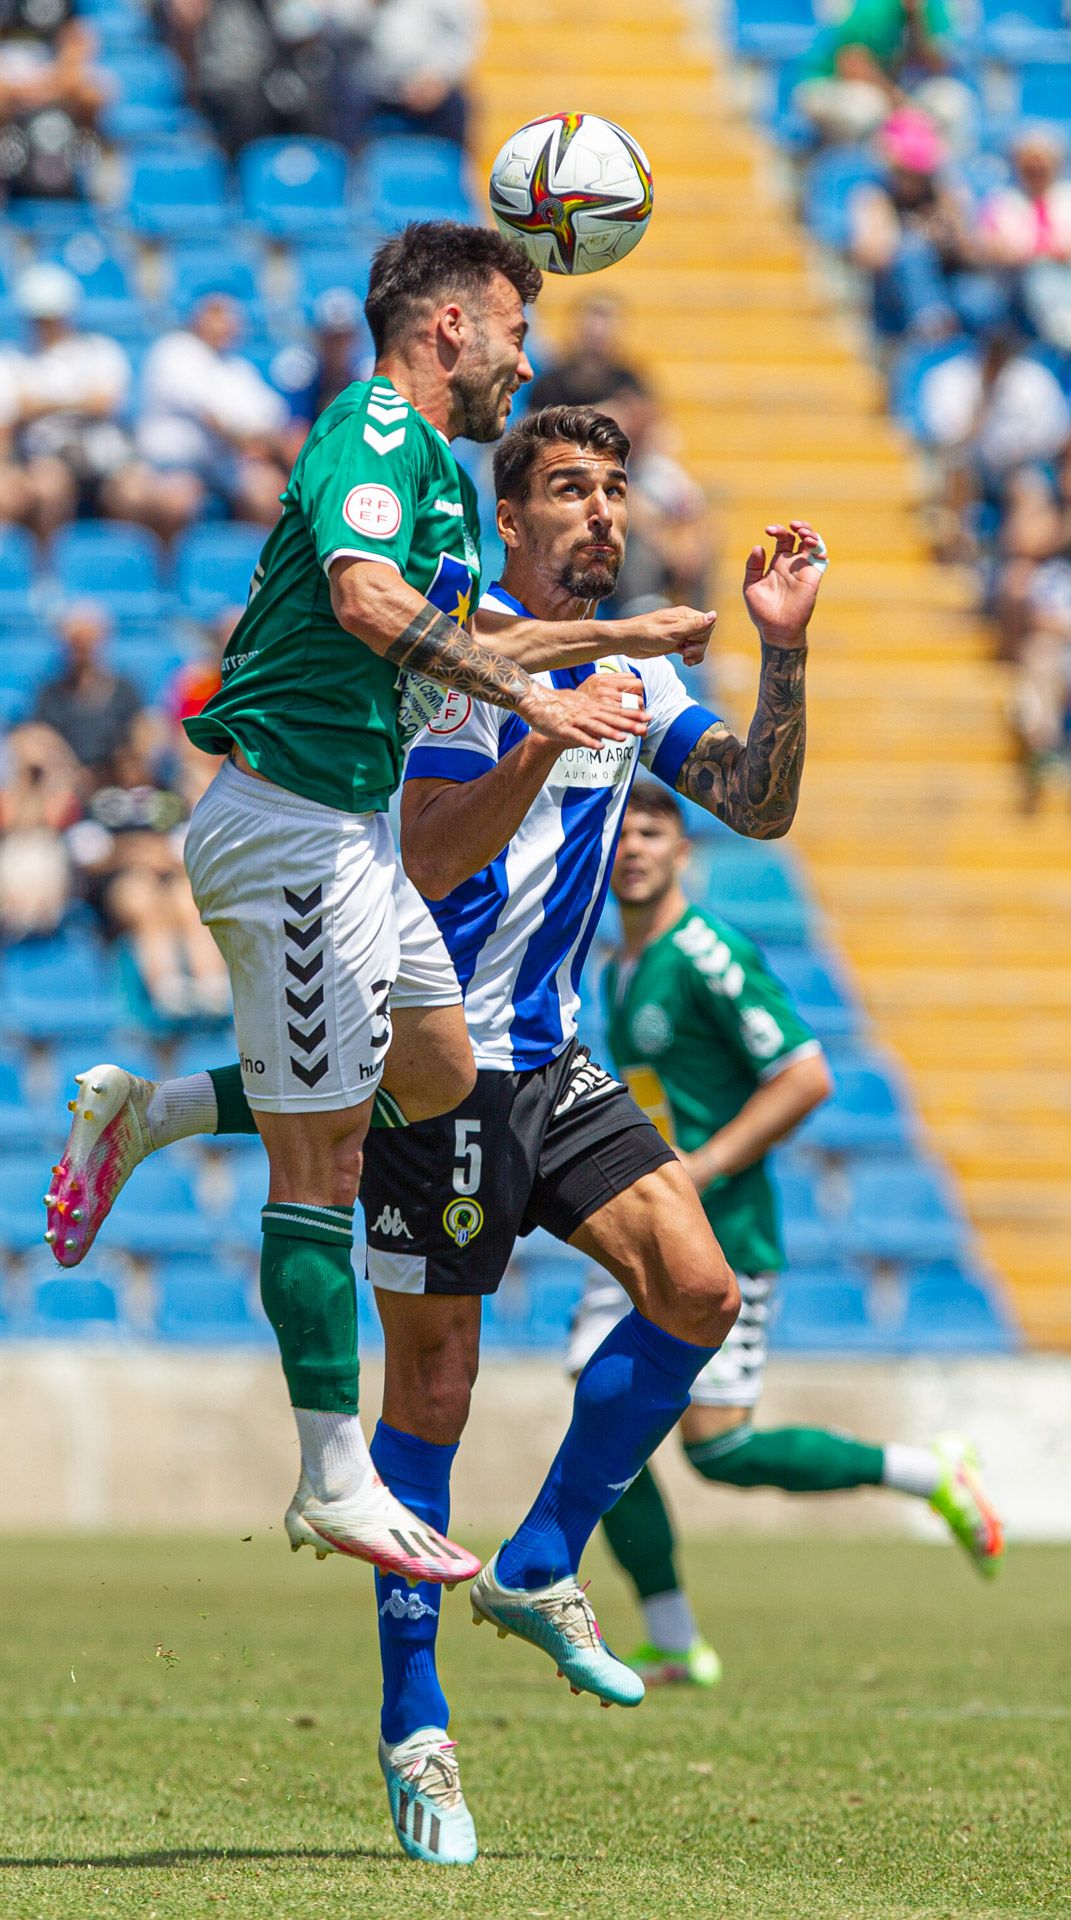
(559, 1619)
(372, 1525)
(427, 1805)
(109, 1137)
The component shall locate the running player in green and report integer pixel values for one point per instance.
(357, 621)
(713, 1050)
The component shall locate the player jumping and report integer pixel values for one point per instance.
(364, 587)
(712, 1048)
(514, 842)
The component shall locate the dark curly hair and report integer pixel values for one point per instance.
(579, 426)
(429, 261)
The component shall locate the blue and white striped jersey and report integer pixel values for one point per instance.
(518, 933)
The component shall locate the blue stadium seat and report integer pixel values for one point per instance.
(817, 1315)
(175, 193)
(320, 270)
(865, 1115)
(818, 989)
(110, 301)
(1046, 90)
(902, 1211)
(908, 372)
(947, 1311)
(206, 1303)
(49, 219)
(117, 563)
(79, 1305)
(115, 19)
(829, 182)
(20, 1126)
(1019, 32)
(159, 1214)
(150, 665)
(409, 177)
(773, 29)
(754, 890)
(197, 271)
(214, 567)
(148, 74)
(290, 186)
(810, 1239)
(554, 1293)
(63, 986)
(16, 569)
(23, 1182)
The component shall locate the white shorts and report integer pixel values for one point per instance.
(321, 932)
(732, 1379)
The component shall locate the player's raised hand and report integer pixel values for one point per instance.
(780, 596)
(683, 630)
(606, 706)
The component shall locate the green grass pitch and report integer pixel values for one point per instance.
(189, 1730)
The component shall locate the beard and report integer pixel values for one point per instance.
(590, 580)
(480, 390)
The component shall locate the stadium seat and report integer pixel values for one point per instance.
(865, 1115)
(148, 74)
(818, 989)
(829, 182)
(150, 665)
(78, 1305)
(214, 567)
(810, 1239)
(197, 271)
(554, 1293)
(175, 193)
(409, 177)
(49, 219)
(756, 891)
(23, 1180)
(206, 1303)
(907, 373)
(946, 1311)
(159, 1214)
(64, 986)
(319, 271)
(290, 186)
(902, 1211)
(773, 29)
(20, 1126)
(16, 570)
(110, 301)
(815, 1315)
(118, 564)
(1046, 90)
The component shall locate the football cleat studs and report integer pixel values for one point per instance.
(50, 1236)
(68, 1246)
(72, 1106)
(76, 1213)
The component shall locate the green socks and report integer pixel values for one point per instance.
(310, 1297)
(235, 1115)
(640, 1536)
(798, 1459)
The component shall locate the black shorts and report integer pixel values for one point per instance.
(445, 1200)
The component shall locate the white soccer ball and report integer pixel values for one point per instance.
(573, 190)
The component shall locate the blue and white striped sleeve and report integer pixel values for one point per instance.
(461, 743)
(677, 721)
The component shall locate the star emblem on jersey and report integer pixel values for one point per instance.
(463, 1220)
(304, 955)
(555, 213)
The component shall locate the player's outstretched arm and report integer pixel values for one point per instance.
(754, 786)
(536, 644)
(372, 601)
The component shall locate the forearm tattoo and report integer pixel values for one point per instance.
(755, 788)
(431, 644)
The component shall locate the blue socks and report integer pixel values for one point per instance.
(631, 1393)
(417, 1472)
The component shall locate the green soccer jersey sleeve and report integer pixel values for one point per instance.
(735, 988)
(360, 485)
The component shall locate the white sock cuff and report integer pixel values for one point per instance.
(914, 1470)
(334, 1452)
(180, 1108)
(670, 1622)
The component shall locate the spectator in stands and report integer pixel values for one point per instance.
(39, 800)
(1025, 229)
(260, 68)
(50, 97)
(991, 413)
(1040, 707)
(62, 401)
(410, 72)
(913, 236)
(880, 55)
(312, 376)
(669, 543)
(594, 361)
(209, 415)
(127, 849)
(94, 711)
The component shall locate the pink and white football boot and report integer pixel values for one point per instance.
(109, 1137)
(372, 1525)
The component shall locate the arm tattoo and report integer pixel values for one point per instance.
(432, 645)
(755, 788)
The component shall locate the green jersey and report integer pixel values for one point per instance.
(311, 706)
(695, 1025)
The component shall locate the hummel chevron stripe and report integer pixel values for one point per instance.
(383, 442)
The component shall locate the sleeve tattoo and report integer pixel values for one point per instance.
(755, 788)
(431, 644)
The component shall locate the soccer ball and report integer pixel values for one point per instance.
(573, 190)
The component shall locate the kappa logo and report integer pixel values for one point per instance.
(391, 1223)
(373, 510)
(404, 1606)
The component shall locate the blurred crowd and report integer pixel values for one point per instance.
(958, 224)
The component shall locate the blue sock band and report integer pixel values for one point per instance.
(417, 1472)
(632, 1391)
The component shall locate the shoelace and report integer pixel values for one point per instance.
(572, 1612)
(444, 1784)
